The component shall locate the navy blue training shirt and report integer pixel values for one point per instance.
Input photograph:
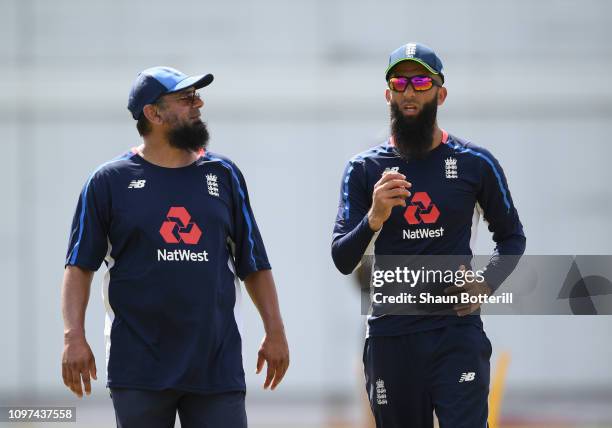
(451, 186)
(175, 240)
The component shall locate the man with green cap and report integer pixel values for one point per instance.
(420, 194)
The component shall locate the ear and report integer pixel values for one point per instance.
(388, 95)
(150, 112)
(442, 93)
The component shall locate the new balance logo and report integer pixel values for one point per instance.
(391, 169)
(467, 377)
(137, 184)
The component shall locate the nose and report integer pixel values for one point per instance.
(198, 103)
(409, 92)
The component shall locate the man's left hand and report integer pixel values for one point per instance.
(472, 288)
(275, 351)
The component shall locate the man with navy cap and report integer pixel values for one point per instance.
(174, 225)
(419, 194)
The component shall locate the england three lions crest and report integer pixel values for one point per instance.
(213, 186)
(450, 168)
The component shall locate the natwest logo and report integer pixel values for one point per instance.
(178, 227)
(421, 210)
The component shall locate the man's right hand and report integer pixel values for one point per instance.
(78, 363)
(390, 191)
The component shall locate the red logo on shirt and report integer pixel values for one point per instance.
(179, 228)
(421, 210)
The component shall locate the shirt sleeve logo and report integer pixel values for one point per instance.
(178, 227)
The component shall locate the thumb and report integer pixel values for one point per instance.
(462, 267)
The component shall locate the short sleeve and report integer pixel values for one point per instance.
(88, 241)
(248, 247)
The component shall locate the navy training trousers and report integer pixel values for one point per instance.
(135, 408)
(445, 370)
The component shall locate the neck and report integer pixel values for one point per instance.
(158, 151)
(435, 141)
(437, 136)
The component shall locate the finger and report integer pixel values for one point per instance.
(65, 375)
(462, 267)
(92, 369)
(460, 312)
(76, 383)
(86, 382)
(269, 375)
(395, 183)
(392, 184)
(453, 289)
(469, 287)
(280, 374)
(398, 202)
(393, 201)
(69, 378)
(387, 176)
(397, 192)
(260, 362)
(466, 310)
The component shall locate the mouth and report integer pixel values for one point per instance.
(410, 109)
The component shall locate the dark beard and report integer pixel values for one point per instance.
(190, 137)
(413, 136)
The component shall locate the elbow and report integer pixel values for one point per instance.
(344, 269)
(513, 245)
(341, 263)
(518, 244)
(523, 244)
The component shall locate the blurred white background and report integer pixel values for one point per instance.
(298, 90)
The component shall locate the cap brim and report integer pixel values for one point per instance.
(196, 81)
(423, 63)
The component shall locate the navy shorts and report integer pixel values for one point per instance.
(445, 370)
(136, 408)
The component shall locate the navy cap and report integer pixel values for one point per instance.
(154, 82)
(416, 52)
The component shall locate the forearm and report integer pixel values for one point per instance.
(503, 261)
(75, 296)
(261, 288)
(348, 250)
